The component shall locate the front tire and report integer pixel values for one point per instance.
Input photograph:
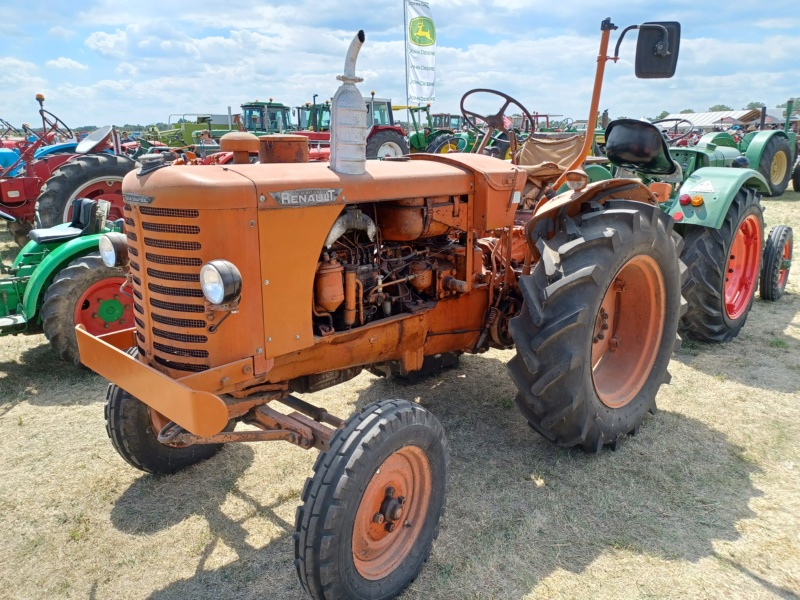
(598, 326)
(723, 267)
(391, 460)
(775, 165)
(86, 292)
(386, 143)
(777, 262)
(93, 176)
(133, 429)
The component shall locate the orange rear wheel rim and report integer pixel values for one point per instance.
(628, 331)
(741, 272)
(400, 492)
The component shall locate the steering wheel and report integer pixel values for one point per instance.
(677, 121)
(493, 122)
(55, 124)
(9, 128)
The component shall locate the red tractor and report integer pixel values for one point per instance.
(38, 183)
(385, 138)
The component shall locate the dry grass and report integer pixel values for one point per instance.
(704, 503)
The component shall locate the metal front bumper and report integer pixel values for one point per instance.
(199, 412)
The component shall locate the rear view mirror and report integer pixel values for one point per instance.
(657, 49)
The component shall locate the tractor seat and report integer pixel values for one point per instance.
(84, 222)
(638, 146)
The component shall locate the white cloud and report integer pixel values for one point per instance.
(60, 32)
(66, 63)
(113, 45)
(778, 23)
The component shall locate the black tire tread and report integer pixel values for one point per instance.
(770, 288)
(69, 177)
(705, 254)
(376, 141)
(334, 473)
(57, 313)
(129, 428)
(561, 297)
(775, 145)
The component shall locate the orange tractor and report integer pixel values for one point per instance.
(252, 283)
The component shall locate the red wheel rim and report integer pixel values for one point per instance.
(380, 544)
(102, 308)
(741, 273)
(628, 331)
(102, 188)
(786, 261)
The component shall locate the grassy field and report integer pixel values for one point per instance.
(704, 503)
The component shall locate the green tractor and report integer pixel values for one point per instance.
(714, 198)
(447, 121)
(183, 131)
(426, 135)
(58, 280)
(259, 118)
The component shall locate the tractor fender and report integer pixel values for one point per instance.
(68, 147)
(417, 141)
(544, 222)
(717, 186)
(755, 149)
(50, 266)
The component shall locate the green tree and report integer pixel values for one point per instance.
(753, 105)
(686, 111)
(796, 103)
(719, 107)
(661, 115)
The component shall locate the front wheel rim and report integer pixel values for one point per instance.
(391, 514)
(786, 262)
(741, 272)
(103, 308)
(628, 330)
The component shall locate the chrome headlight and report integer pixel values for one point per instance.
(113, 249)
(220, 281)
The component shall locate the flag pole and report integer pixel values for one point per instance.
(405, 45)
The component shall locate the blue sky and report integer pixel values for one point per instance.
(102, 62)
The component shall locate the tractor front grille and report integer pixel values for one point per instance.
(170, 321)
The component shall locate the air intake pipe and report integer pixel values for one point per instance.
(349, 118)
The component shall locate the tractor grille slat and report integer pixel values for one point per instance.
(172, 321)
(136, 307)
(185, 352)
(179, 213)
(171, 228)
(171, 291)
(179, 366)
(139, 322)
(129, 222)
(181, 261)
(132, 236)
(174, 306)
(171, 244)
(138, 294)
(133, 251)
(134, 265)
(136, 280)
(180, 337)
(170, 276)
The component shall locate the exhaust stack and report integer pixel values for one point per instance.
(349, 118)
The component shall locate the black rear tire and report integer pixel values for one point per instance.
(555, 330)
(394, 139)
(775, 270)
(70, 179)
(130, 428)
(325, 538)
(706, 255)
(445, 144)
(776, 146)
(796, 178)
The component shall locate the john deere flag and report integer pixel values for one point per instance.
(421, 48)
